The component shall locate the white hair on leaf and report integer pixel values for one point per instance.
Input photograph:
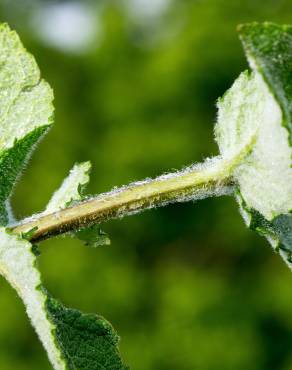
(249, 113)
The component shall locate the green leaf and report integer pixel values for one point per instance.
(25, 115)
(93, 236)
(87, 341)
(18, 266)
(268, 48)
(254, 133)
(73, 340)
(250, 133)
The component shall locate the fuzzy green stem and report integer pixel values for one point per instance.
(210, 178)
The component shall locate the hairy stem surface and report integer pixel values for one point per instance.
(197, 182)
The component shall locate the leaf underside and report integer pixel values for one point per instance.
(73, 340)
(268, 48)
(26, 111)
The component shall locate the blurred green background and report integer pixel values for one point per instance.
(188, 286)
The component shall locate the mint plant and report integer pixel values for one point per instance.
(253, 132)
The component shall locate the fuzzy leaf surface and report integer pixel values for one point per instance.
(71, 191)
(73, 340)
(268, 48)
(26, 111)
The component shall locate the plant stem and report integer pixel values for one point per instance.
(197, 182)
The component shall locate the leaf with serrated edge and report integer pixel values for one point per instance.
(18, 266)
(87, 341)
(73, 340)
(26, 111)
(268, 48)
(265, 177)
(25, 115)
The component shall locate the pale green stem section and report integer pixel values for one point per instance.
(209, 179)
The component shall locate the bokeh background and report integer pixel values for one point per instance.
(187, 287)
